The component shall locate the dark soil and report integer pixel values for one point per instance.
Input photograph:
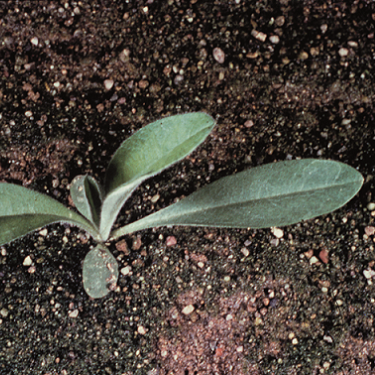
(296, 81)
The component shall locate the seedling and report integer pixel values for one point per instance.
(275, 194)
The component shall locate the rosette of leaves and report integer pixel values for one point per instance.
(275, 194)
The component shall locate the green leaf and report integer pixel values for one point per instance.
(275, 194)
(147, 152)
(100, 272)
(87, 197)
(23, 210)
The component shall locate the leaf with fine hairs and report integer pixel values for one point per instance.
(275, 194)
(146, 153)
(100, 272)
(87, 197)
(23, 210)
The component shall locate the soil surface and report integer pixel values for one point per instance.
(284, 80)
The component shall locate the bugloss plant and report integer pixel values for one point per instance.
(275, 194)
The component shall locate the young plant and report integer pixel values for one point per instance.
(275, 194)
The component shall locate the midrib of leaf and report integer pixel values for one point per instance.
(270, 197)
(156, 219)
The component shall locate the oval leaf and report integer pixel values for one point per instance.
(87, 197)
(100, 272)
(275, 194)
(147, 152)
(23, 210)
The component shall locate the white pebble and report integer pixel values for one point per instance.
(259, 35)
(277, 232)
(324, 28)
(28, 113)
(219, 55)
(27, 261)
(368, 274)
(73, 314)
(43, 232)
(34, 41)
(126, 270)
(328, 339)
(188, 309)
(245, 251)
(108, 84)
(274, 39)
(155, 198)
(141, 330)
(343, 52)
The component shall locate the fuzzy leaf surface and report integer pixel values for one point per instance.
(100, 272)
(24, 210)
(149, 151)
(87, 197)
(275, 194)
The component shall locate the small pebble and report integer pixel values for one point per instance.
(34, 41)
(126, 270)
(323, 255)
(137, 243)
(141, 330)
(371, 206)
(124, 55)
(352, 43)
(277, 232)
(43, 232)
(142, 84)
(324, 28)
(171, 241)
(155, 198)
(27, 261)
(73, 314)
(274, 39)
(245, 251)
(328, 339)
(219, 55)
(343, 52)
(368, 274)
(108, 84)
(188, 309)
(280, 21)
(370, 230)
(178, 79)
(249, 124)
(122, 246)
(314, 260)
(259, 35)
(28, 113)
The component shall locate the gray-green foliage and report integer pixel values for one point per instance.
(275, 194)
